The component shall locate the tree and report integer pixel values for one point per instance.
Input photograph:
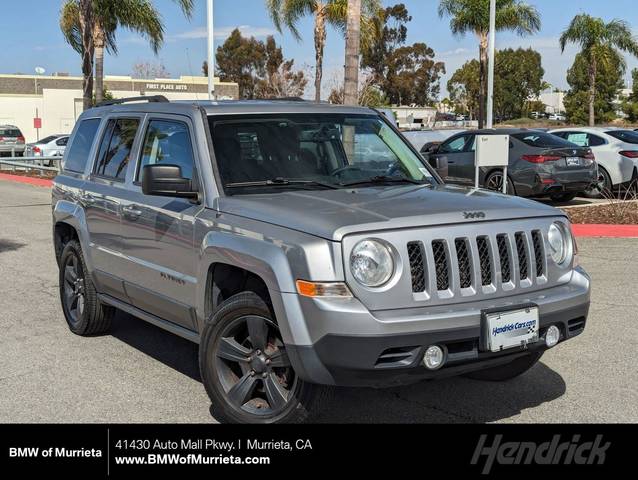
(259, 68)
(241, 60)
(353, 48)
(369, 95)
(472, 16)
(518, 77)
(281, 80)
(145, 70)
(609, 80)
(464, 88)
(405, 74)
(140, 16)
(600, 43)
(630, 106)
(287, 13)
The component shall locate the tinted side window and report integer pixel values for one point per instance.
(595, 141)
(78, 153)
(455, 145)
(115, 151)
(62, 142)
(168, 142)
(541, 140)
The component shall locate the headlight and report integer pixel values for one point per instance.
(371, 263)
(559, 240)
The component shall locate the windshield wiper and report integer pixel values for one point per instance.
(282, 182)
(382, 179)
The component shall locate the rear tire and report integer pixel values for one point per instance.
(563, 197)
(602, 187)
(245, 369)
(83, 312)
(507, 371)
(494, 182)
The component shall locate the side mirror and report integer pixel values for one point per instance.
(166, 181)
(430, 148)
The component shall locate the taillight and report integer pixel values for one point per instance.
(540, 158)
(590, 155)
(629, 153)
(36, 150)
(21, 139)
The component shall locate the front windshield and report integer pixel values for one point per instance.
(291, 151)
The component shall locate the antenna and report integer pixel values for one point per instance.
(190, 70)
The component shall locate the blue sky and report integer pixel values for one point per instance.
(30, 37)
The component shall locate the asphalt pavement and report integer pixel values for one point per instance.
(139, 373)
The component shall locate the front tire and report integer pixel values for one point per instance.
(508, 371)
(245, 368)
(83, 312)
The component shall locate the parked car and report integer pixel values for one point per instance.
(540, 164)
(11, 141)
(295, 260)
(51, 146)
(616, 152)
(557, 117)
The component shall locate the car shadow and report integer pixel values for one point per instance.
(173, 351)
(9, 245)
(453, 400)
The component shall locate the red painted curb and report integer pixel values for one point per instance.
(605, 231)
(38, 182)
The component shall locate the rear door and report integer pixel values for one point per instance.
(102, 200)
(158, 232)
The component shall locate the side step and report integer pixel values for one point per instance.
(150, 318)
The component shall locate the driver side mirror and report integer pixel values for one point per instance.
(430, 148)
(167, 181)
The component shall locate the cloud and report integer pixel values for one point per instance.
(224, 32)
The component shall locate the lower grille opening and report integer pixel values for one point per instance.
(397, 356)
(576, 325)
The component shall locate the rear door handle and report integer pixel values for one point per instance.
(87, 199)
(132, 211)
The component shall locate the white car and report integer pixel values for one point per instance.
(557, 117)
(51, 146)
(616, 152)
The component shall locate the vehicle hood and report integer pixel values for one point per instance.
(332, 214)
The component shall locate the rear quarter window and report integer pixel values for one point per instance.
(627, 136)
(77, 154)
(542, 140)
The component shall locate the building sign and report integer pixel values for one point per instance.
(167, 87)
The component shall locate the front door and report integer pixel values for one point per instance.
(158, 232)
(453, 152)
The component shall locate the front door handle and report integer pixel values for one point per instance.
(87, 199)
(132, 211)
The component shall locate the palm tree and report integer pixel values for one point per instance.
(474, 16)
(353, 47)
(599, 42)
(287, 13)
(139, 16)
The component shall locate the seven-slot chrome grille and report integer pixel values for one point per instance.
(476, 260)
(437, 266)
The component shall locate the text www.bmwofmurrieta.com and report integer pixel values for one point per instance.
(189, 459)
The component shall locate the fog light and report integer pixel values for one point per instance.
(552, 336)
(433, 357)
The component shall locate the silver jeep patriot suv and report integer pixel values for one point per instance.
(303, 246)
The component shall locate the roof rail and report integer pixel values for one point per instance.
(119, 101)
(285, 99)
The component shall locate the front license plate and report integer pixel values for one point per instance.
(573, 161)
(515, 328)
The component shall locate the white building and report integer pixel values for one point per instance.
(57, 100)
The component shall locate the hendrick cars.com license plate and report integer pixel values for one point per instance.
(514, 328)
(573, 161)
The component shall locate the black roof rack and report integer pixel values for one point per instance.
(119, 101)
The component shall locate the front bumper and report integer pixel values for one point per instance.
(348, 345)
